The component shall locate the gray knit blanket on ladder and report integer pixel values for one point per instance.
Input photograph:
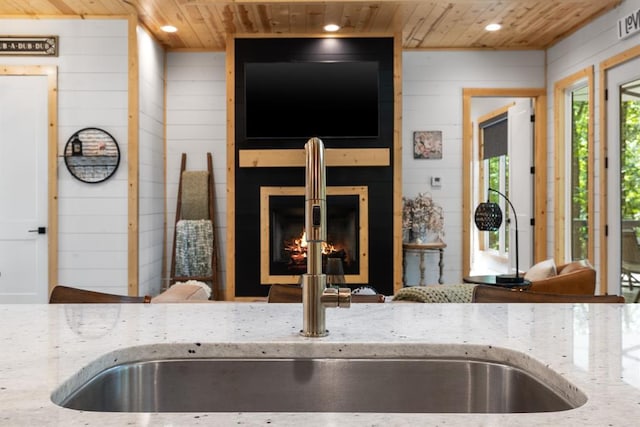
(194, 245)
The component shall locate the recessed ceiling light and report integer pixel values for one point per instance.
(168, 28)
(331, 27)
(493, 27)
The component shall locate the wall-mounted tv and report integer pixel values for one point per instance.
(330, 99)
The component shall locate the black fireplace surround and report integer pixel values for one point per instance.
(378, 179)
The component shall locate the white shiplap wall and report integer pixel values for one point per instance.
(196, 125)
(151, 162)
(92, 92)
(589, 46)
(432, 100)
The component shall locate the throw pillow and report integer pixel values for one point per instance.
(191, 290)
(542, 270)
(575, 266)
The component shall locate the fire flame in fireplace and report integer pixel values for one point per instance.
(298, 248)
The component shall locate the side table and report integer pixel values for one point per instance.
(421, 249)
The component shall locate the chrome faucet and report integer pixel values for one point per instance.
(315, 294)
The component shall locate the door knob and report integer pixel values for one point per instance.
(39, 230)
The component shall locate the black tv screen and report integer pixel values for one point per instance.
(305, 99)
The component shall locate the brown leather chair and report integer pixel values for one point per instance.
(505, 295)
(574, 278)
(67, 295)
(293, 293)
(630, 259)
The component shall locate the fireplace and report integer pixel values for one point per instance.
(264, 170)
(283, 238)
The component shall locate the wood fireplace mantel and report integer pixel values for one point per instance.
(333, 157)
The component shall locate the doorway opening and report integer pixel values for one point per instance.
(536, 191)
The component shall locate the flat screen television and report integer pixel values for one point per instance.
(330, 99)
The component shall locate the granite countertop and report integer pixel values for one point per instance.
(595, 347)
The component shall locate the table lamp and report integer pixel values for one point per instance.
(488, 217)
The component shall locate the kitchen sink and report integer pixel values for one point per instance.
(387, 385)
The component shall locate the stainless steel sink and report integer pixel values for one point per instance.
(317, 385)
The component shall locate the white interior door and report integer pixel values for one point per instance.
(616, 77)
(23, 189)
(520, 130)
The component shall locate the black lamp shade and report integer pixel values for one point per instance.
(488, 216)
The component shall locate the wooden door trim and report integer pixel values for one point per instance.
(133, 156)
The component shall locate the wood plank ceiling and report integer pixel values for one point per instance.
(452, 24)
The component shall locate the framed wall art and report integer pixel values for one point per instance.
(427, 144)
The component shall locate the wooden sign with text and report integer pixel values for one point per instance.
(629, 24)
(29, 45)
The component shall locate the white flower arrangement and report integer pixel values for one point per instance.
(422, 215)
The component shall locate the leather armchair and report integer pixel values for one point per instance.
(574, 278)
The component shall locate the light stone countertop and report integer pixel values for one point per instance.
(595, 347)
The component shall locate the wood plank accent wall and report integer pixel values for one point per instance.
(204, 24)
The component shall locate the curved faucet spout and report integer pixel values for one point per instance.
(315, 296)
(315, 200)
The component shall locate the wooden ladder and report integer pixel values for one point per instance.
(213, 278)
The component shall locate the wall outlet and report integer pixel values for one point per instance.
(436, 181)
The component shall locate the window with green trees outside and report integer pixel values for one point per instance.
(579, 170)
(630, 155)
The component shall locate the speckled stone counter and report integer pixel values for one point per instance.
(596, 348)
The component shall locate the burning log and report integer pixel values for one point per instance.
(297, 249)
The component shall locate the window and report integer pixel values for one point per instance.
(630, 155)
(574, 158)
(496, 175)
(579, 237)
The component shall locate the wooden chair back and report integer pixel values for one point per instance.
(67, 295)
(630, 248)
(293, 294)
(496, 294)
